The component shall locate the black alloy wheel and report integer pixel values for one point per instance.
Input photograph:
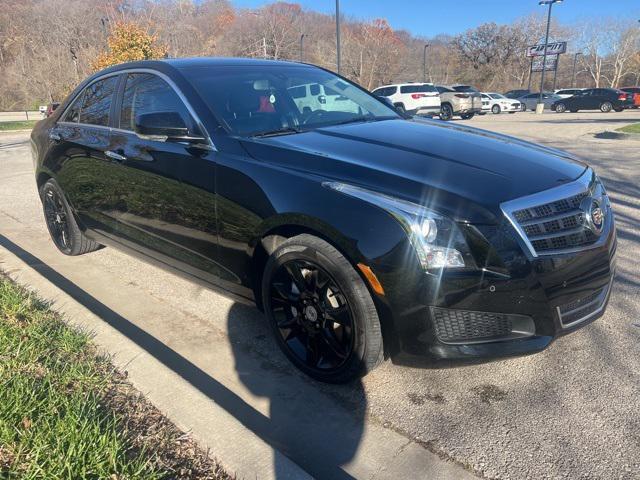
(56, 217)
(320, 310)
(61, 223)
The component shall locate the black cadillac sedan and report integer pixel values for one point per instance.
(361, 234)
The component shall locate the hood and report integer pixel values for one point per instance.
(461, 171)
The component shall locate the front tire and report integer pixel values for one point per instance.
(321, 311)
(467, 116)
(606, 107)
(61, 223)
(496, 109)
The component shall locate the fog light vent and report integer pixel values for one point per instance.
(466, 325)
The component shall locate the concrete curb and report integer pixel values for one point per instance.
(236, 447)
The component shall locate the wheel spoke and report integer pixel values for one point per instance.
(313, 351)
(284, 292)
(339, 315)
(334, 346)
(294, 271)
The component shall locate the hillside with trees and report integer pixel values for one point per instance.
(48, 46)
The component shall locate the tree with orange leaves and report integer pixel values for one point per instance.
(128, 42)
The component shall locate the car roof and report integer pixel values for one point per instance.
(403, 84)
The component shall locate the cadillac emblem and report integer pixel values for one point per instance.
(594, 215)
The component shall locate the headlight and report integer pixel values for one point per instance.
(437, 240)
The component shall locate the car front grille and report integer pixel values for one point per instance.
(553, 221)
(583, 308)
(461, 325)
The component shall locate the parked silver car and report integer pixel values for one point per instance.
(460, 100)
(530, 100)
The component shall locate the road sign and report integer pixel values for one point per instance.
(552, 49)
(550, 65)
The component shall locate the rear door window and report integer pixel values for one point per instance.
(96, 102)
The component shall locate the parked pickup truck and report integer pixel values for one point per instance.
(462, 100)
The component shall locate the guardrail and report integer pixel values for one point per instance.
(18, 116)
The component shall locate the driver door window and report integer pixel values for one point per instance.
(146, 93)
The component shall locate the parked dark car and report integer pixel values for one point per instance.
(361, 234)
(635, 92)
(603, 99)
(515, 94)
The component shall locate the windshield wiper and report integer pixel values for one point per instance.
(362, 118)
(277, 132)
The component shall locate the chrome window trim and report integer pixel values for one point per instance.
(583, 184)
(164, 77)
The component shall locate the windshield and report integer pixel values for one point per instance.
(261, 100)
(497, 95)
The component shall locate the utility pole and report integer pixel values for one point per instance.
(302, 48)
(338, 35)
(424, 63)
(573, 76)
(540, 106)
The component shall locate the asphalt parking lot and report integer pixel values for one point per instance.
(572, 411)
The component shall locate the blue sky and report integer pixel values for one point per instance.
(430, 17)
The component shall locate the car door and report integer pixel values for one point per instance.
(165, 199)
(79, 142)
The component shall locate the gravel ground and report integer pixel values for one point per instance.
(568, 412)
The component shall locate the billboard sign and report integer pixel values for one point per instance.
(550, 65)
(552, 49)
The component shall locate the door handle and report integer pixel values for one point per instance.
(56, 137)
(115, 156)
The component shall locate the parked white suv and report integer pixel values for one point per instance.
(497, 103)
(413, 98)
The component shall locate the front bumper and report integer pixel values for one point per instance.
(558, 294)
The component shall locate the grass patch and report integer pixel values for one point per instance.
(66, 413)
(633, 128)
(20, 125)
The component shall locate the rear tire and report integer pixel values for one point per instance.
(467, 116)
(400, 108)
(561, 108)
(61, 222)
(446, 112)
(606, 107)
(328, 326)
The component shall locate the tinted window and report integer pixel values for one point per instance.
(96, 102)
(443, 89)
(298, 92)
(314, 89)
(417, 88)
(73, 114)
(147, 93)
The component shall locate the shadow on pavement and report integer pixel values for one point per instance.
(305, 425)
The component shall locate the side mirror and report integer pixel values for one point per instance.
(165, 126)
